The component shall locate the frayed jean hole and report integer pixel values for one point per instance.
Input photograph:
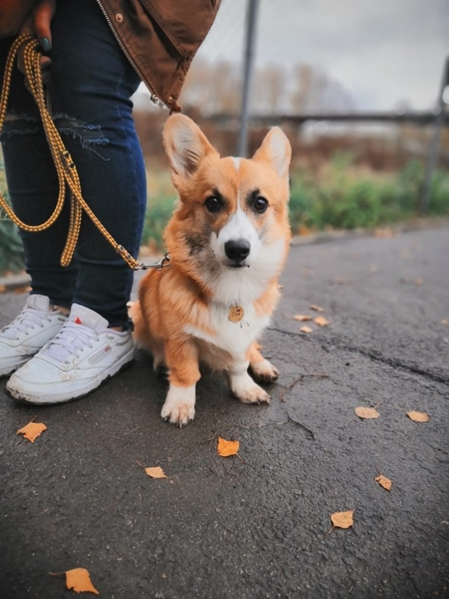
(19, 124)
(89, 135)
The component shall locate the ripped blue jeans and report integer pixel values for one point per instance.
(90, 84)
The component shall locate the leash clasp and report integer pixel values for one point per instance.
(160, 264)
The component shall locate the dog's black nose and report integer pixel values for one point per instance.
(237, 250)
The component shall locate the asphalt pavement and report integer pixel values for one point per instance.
(256, 525)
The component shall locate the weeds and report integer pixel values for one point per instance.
(344, 197)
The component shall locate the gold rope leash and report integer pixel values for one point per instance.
(65, 167)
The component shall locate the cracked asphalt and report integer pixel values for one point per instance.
(256, 527)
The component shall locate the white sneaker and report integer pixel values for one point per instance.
(76, 361)
(28, 332)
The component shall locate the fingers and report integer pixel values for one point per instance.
(43, 12)
(38, 23)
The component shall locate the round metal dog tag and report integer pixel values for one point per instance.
(236, 313)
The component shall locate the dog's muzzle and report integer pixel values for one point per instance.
(237, 250)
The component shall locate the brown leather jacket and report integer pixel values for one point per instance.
(160, 39)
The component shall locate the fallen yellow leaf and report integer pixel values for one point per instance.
(155, 472)
(306, 329)
(316, 308)
(366, 413)
(418, 416)
(343, 519)
(32, 430)
(78, 580)
(226, 448)
(383, 481)
(321, 321)
(302, 317)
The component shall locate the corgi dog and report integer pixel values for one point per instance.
(228, 239)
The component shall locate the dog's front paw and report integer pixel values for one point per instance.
(179, 406)
(247, 391)
(264, 371)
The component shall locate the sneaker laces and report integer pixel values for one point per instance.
(26, 320)
(70, 341)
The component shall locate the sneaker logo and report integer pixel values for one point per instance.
(78, 320)
(99, 355)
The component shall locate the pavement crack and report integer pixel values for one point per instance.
(371, 354)
(310, 433)
(393, 362)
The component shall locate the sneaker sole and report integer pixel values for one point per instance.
(126, 362)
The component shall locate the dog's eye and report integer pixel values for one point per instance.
(260, 204)
(213, 204)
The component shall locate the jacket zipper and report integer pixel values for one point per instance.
(154, 98)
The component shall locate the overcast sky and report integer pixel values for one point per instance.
(386, 53)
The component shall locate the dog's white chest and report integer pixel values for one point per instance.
(233, 337)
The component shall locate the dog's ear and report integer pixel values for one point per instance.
(185, 144)
(276, 150)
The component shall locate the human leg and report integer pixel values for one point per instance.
(91, 84)
(33, 191)
(92, 110)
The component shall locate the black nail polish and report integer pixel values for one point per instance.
(45, 44)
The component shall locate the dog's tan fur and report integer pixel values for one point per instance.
(182, 313)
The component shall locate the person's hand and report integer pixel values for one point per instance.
(38, 22)
(12, 15)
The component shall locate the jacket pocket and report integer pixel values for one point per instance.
(185, 24)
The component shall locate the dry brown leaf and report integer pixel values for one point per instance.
(321, 321)
(22, 289)
(306, 329)
(316, 308)
(386, 233)
(302, 317)
(418, 416)
(343, 519)
(340, 281)
(155, 472)
(444, 321)
(366, 413)
(383, 481)
(32, 430)
(418, 282)
(78, 580)
(226, 448)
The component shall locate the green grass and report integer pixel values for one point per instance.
(161, 202)
(339, 196)
(344, 197)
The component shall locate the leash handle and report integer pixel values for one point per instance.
(64, 164)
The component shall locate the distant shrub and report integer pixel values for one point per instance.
(347, 198)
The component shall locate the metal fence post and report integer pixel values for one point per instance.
(248, 67)
(434, 146)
